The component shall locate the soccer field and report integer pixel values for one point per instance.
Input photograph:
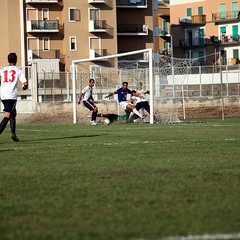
(121, 181)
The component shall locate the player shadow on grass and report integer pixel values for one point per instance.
(59, 138)
(5, 150)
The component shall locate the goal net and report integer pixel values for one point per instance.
(160, 75)
(170, 75)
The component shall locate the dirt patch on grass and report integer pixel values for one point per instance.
(67, 117)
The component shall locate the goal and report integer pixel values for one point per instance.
(161, 75)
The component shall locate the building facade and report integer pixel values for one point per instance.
(162, 28)
(203, 28)
(55, 32)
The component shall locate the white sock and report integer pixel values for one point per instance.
(137, 112)
(131, 115)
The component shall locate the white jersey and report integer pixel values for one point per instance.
(9, 81)
(87, 93)
(138, 99)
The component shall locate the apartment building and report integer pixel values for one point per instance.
(162, 37)
(201, 28)
(55, 32)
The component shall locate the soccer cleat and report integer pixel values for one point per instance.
(144, 116)
(14, 137)
(93, 123)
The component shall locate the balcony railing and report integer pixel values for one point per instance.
(229, 39)
(195, 19)
(163, 32)
(140, 57)
(131, 3)
(94, 53)
(40, 54)
(194, 42)
(97, 26)
(226, 16)
(41, 1)
(132, 29)
(96, 1)
(42, 26)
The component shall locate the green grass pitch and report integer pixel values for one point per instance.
(121, 181)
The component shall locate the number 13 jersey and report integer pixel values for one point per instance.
(9, 81)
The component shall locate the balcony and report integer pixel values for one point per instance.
(140, 57)
(94, 53)
(132, 30)
(41, 1)
(226, 16)
(97, 26)
(163, 32)
(193, 20)
(43, 55)
(131, 3)
(192, 43)
(42, 26)
(229, 39)
(96, 1)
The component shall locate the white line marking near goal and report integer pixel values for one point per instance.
(230, 236)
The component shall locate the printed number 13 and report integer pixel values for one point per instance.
(12, 77)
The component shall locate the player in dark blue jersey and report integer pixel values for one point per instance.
(122, 99)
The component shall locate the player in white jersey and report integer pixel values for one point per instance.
(10, 76)
(88, 101)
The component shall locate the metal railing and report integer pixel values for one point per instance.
(163, 32)
(192, 42)
(223, 16)
(132, 28)
(131, 3)
(195, 19)
(44, 25)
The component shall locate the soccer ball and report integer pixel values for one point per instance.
(106, 121)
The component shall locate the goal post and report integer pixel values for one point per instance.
(88, 61)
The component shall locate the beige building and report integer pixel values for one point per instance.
(162, 28)
(201, 28)
(55, 32)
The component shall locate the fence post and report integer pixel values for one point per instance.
(200, 81)
(227, 80)
(34, 87)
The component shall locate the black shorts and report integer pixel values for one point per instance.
(144, 105)
(89, 104)
(9, 105)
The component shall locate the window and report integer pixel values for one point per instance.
(45, 14)
(235, 53)
(166, 27)
(74, 15)
(223, 29)
(94, 14)
(189, 12)
(201, 57)
(46, 44)
(73, 43)
(200, 10)
(235, 9)
(235, 32)
(222, 11)
(201, 36)
(166, 46)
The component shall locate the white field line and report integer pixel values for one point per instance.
(227, 236)
(116, 143)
